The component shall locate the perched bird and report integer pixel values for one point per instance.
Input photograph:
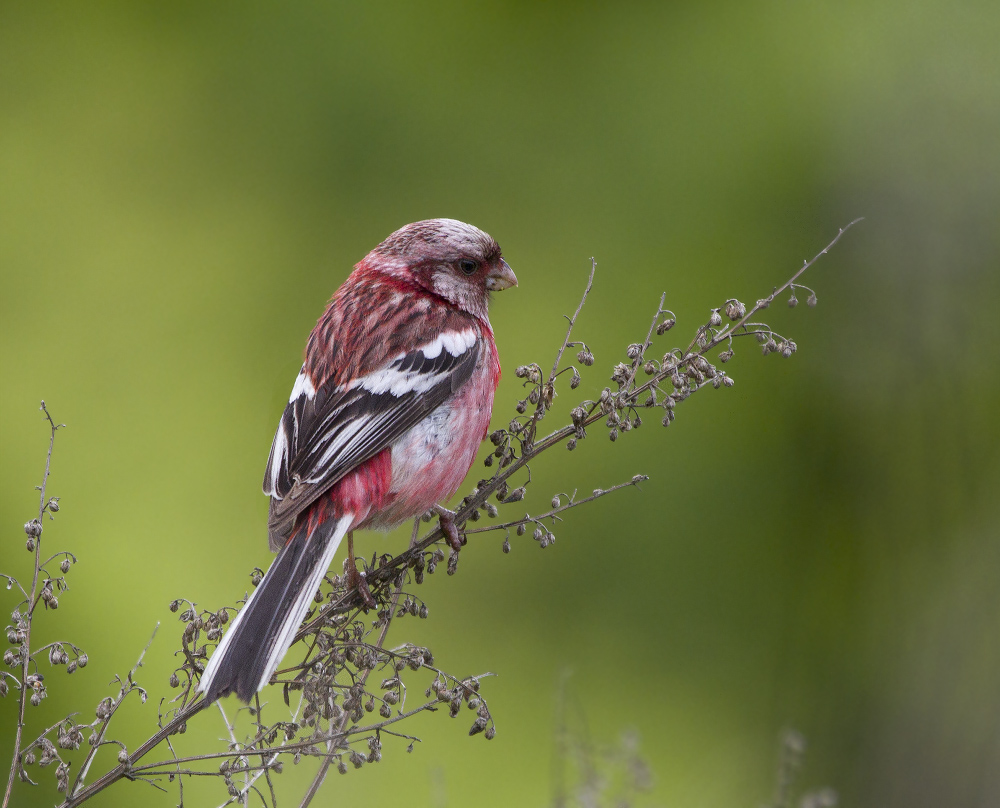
(382, 425)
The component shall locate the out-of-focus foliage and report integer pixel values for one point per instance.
(182, 186)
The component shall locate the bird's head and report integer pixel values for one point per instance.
(450, 258)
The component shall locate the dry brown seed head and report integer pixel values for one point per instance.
(735, 310)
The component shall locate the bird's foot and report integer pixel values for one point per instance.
(358, 580)
(451, 532)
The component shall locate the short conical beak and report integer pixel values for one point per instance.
(501, 278)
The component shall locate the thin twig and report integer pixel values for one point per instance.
(15, 762)
(572, 503)
(99, 740)
(572, 322)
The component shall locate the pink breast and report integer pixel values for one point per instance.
(430, 461)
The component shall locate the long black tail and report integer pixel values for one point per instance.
(261, 633)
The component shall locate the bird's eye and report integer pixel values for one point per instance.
(468, 266)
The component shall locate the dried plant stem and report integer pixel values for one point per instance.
(82, 775)
(763, 303)
(32, 599)
(572, 321)
(128, 768)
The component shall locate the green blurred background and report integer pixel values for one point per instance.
(183, 185)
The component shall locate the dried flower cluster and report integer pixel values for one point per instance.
(345, 690)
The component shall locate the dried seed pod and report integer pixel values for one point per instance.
(735, 310)
(104, 708)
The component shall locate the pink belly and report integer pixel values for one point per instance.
(430, 461)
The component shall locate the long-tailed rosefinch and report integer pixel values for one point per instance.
(383, 423)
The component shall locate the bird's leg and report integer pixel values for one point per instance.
(449, 528)
(355, 578)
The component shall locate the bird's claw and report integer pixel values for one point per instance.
(450, 529)
(358, 581)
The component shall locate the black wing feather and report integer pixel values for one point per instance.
(321, 439)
